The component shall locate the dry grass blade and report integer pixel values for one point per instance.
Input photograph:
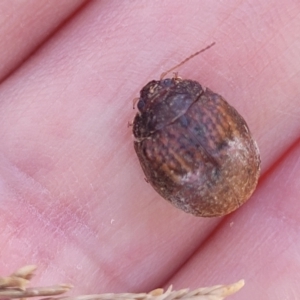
(13, 282)
(13, 286)
(35, 292)
(19, 279)
(26, 272)
(217, 292)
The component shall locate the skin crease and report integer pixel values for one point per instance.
(72, 194)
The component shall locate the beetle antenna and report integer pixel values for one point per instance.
(185, 60)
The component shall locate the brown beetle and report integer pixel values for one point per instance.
(194, 148)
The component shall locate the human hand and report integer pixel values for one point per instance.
(74, 200)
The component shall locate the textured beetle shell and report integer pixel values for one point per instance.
(194, 148)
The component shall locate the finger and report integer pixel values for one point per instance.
(25, 25)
